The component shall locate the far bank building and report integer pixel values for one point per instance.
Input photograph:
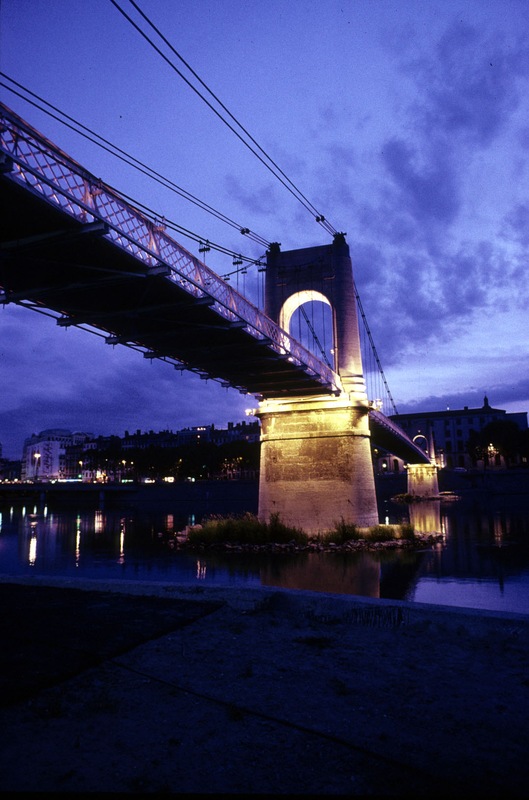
(444, 434)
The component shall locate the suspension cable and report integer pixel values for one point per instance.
(121, 154)
(374, 350)
(205, 244)
(315, 336)
(274, 169)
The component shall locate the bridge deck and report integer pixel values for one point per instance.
(386, 434)
(73, 246)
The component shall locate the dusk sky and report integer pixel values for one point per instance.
(405, 123)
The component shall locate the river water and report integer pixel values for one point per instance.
(482, 561)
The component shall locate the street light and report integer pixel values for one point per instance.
(36, 456)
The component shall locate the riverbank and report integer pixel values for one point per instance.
(234, 497)
(134, 687)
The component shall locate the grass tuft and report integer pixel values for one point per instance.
(407, 532)
(347, 532)
(344, 532)
(245, 530)
(381, 533)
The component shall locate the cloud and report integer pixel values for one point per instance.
(516, 225)
(499, 395)
(434, 232)
(468, 89)
(428, 192)
(260, 201)
(466, 92)
(69, 379)
(147, 397)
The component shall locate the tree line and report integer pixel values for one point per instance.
(500, 438)
(199, 460)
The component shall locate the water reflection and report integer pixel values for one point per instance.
(99, 521)
(338, 573)
(122, 526)
(32, 548)
(202, 570)
(78, 540)
(426, 516)
(482, 561)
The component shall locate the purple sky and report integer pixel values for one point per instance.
(406, 124)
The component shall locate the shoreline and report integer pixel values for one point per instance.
(328, 605)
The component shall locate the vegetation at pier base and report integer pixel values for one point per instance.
(245, 530)
(344, 532)
(249, 530)
(349, 532)
(406, 498)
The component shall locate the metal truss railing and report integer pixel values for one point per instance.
(32, 160)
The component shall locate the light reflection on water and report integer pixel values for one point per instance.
(482, 561)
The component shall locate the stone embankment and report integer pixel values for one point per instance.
(131, 687)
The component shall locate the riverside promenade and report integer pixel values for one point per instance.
(138, 688)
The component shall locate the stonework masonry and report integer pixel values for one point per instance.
(422, 480)
(316, 466)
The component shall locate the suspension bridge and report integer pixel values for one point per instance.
(73, 248)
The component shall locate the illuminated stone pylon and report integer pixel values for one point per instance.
(316, 465)
(422, 480)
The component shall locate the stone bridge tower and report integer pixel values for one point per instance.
(316, 464)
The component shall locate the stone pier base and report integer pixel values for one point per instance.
(422, 480)
(316, 465)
